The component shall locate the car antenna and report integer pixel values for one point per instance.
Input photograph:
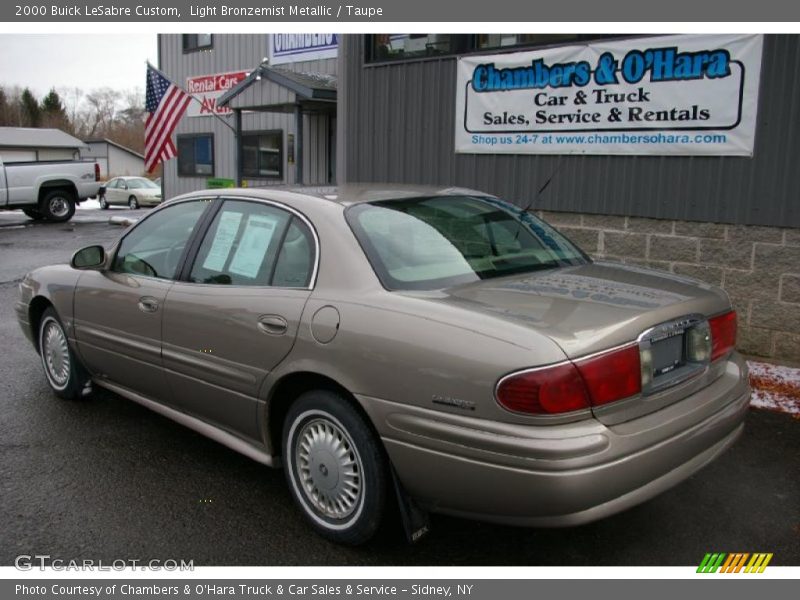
(538, 194)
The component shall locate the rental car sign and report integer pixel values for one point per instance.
(683, 95)
(207, 89)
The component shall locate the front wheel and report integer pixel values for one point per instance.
(335, 467)
(133, 203)
(103, 203)
(57, 206)
(64, 373)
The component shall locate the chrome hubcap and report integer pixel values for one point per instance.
(329, 468)
(56, 353)
(58, 206)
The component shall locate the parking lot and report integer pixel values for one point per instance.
(106, 479)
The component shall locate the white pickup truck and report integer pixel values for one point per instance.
(47, 190)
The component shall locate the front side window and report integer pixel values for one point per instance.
(155, 246)
(196, 155)
(262, 154)
(251, 243)
(431, 243)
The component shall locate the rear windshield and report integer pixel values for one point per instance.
(431, 243)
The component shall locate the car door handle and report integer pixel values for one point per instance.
(273, 324)
(148, 304)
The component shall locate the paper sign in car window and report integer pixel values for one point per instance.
(223, 241)
(253, 245)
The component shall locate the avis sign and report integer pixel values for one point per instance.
(682, 95)
(207, 89)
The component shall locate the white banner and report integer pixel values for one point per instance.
(207, 89)
(683, 95)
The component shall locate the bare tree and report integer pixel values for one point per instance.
(103, 108)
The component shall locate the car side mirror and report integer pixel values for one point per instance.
(90, 257)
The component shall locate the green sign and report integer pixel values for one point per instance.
(219, 182)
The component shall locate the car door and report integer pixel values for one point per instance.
(112, 193)
(235, 313)
(119, 310)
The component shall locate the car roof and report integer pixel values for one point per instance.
(346, 194)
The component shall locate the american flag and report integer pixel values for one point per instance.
(165, 105)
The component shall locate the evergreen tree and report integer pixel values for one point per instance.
(31, 112)
(5, 112)
(53, 112)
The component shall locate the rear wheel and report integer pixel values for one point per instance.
(335, 467)
(133, 203)
(57, 206)
(65, 375)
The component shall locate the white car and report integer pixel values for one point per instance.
(131, 191)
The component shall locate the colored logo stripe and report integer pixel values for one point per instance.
(734, 562)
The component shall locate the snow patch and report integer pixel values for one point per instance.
(775, 387)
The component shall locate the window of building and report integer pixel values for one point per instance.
(192, 42)
(196, 155)
(250, 243)
(405, 46)
(262, 154)
(412, 46)
(505, 40)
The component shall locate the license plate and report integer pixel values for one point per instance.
(667, 354)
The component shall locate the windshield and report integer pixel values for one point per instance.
(138, 184)
(431, 243)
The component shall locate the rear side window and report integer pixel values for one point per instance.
(254, 244)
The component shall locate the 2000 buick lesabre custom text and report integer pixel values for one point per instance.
(440, 337)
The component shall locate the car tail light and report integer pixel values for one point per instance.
(578, 385)
(546, 391)
(723, 334)
(612, 375)
(96, 172)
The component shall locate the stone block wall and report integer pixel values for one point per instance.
(759, 267)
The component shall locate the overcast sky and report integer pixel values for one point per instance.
(42, 61)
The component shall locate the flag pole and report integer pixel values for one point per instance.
(213, 113)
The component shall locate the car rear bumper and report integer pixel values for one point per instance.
(564, 474)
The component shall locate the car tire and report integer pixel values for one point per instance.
(133, 203)
(104, 203)
(64, 373)
(335, 467)
(33, 214)
(57, 206)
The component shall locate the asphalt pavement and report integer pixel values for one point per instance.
(106, 479)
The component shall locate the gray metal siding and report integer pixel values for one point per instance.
(396, 124)
(124, 163)
(230, 52)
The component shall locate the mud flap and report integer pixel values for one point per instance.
(416, 521)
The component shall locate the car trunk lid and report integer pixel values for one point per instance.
(591, 308)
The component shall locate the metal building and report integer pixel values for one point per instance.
(264, 109)
(114, 159)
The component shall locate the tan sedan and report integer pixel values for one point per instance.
(437, 344)
(133, 192)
